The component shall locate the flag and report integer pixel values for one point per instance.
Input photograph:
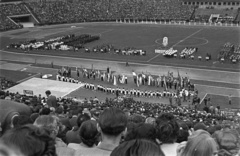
(180, 79)
(149, 80)
(134, 74)
(164, 82)
(137, 81)
(114, 80)
(122, 79)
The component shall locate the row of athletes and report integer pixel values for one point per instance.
(67, 79)
(133, 92)
(123, 91)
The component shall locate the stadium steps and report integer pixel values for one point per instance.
(237, 18)
(193, 14)
(32, 13)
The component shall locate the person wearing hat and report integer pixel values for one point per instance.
(9, 110)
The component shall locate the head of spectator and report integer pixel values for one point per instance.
(9, 110)
(141, 131)
(48, 93)
(59, 111)
(34, 116)
(82, 118)
(150, 120)
(45, 111)
(136, 118)
(228, 142)
(21, 120)
(88, 133)
(48, 122)
(86, 111)
(167, 128)
(183, 132)
(199, 125)
(138, 147)
(211, 129)
(95, 114)
(112, 126)
(182, 135)
(30, 140)
(200, 145)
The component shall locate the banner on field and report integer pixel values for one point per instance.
(28, 92)
(159, 51)
(165, 41)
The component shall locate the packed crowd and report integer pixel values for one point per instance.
(5, 83)
(68, 12)
(58, 126)
(57, 12)
(9, 10)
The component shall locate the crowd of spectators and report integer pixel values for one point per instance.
(58, 12)
(65, 126)
(10, 10)
(5, 83)
(95, 10)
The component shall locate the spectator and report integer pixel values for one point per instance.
(51, 123)
(167, 132)
(228, 142)
(9, 110)
(138, 147)
(142, 131)
(51, 100)
(112, 126)
(200, 126)
(73, 120)
(88, 134)
(30, 140)
(73, 135)
(200, 145)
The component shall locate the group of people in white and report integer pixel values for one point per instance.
(188, 51)
(131, 52)
(137, 92)
(170, 52)
(106, 76)
(53, 43)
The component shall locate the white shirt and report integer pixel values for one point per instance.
(170, 149)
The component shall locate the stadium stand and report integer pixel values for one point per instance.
(9, 10)
(58, 12)
(118, 126)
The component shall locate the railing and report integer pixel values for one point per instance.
(178, 23)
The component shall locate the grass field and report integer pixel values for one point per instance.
(143, 36)
(222, 101)
(15, 76)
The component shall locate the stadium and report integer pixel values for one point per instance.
(147, 58)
